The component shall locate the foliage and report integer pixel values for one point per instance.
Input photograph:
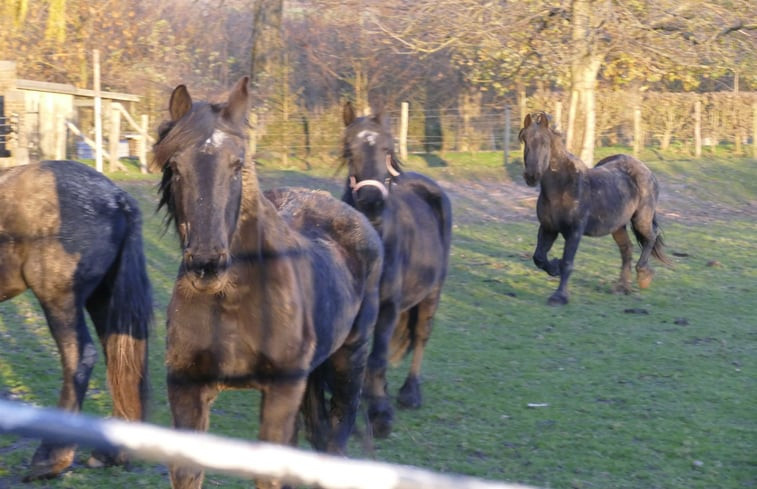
(653, 389)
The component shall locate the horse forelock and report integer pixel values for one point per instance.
(201, 127)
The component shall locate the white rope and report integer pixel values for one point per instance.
(235, 457)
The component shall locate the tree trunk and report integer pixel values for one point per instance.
(267, 42)
(584, 71)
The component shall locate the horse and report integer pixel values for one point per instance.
(276, 291)
(74, 238)
(413, 216)
(576, 201)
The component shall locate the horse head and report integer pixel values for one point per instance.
(369, 154)
(536, 137)
(201, 152)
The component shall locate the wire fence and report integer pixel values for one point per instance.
(666, 121)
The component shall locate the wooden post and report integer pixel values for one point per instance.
(698, 128)
(403, 130)
(142, 146)
(252, 145)
(98, 113)
(557, 119)
(637, 135)
(754, 130)
(506, 137)
(60, 137)
(114, 138)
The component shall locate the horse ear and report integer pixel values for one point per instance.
(180, 102)
(527, 121)
(348, 114)
(239, 101)
(542, 119)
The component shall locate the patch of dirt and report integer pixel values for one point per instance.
(503, 200)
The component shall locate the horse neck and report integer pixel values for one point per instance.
(565, 169)
(260, 228)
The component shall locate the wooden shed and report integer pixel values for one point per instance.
(41, 120)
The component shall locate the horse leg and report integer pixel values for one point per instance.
(643, 227)
(544, 242)
(380, 411)
(626, 254)
(78, 354)
(126, 364)
(410, 392)
(278, 415)
(348, 368)
(560, 296)
(190, 409)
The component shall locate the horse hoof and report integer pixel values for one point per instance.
(49, 462)
(381, 416)
(557, 299)
(644, 277)
(409, 396)
(103, 458)
(622, 288)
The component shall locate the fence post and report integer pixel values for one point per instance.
(506, 142)
(754, 130)
(114, 137)
(637, 135)
(142, 146)
(698, 128)
(403, 130)
(98, 113)
(60, 137)
(557, 119)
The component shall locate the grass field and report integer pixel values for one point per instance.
(656, 389)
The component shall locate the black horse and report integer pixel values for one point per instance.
(75, 239)
(413, 216)
(575, 201)
(277, 292)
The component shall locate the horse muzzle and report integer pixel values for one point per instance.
(370, 196)
(531, 179)
(206, 272)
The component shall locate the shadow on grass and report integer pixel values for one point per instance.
(434, 160)
(514, 169)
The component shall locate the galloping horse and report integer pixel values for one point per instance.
(275, 291)
(575, 201)
(75, 239)
(413, 216)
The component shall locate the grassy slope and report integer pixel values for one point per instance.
(654, 389)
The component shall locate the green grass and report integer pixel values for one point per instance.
(656, 389)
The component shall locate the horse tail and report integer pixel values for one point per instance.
(403, 336)
(130, 313)
(659, 244)
(314, 410)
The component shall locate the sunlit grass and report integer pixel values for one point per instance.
(652, 389)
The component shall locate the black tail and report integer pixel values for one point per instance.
(315, 410)
(130, 313)
(659, 244)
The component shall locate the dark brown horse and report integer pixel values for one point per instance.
(413, 216)
(576, 201)
(277, 292)
(75, 239)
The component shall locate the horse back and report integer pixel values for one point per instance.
(636, 170)
(418, 242)
(58, 214)
(345, 256)
(619, 186)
